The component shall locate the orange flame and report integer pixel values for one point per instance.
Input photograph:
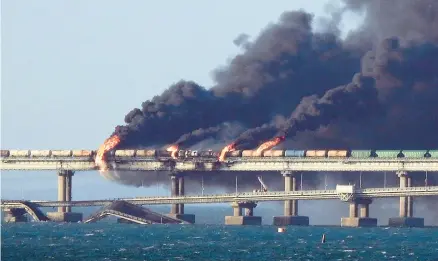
(269, 144)
(108, 145)
(173, 150)
(228, 148)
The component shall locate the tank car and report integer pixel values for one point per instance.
(82, 153)
(273, 153)
(4, 153)
(19, 153)
(316, 153)
(294, 153)
(338, 153)
(40, 153)
(124, 153)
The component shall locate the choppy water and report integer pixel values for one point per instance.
(103, 241)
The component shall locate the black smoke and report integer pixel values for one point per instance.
(375, 89)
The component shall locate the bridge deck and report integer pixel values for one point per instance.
(258, 196)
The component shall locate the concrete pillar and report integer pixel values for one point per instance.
(403, 200)
(68, 188)
(294, 202)
(361, 219)
(237, 209)
(238, 219)
(410, 200)
(290, 206)
(406, 214)
(249, 212)
(364, 210)
(174, 192)
(287, 187)
(61, 190)
(181, 193)
(353, 210)
(177, 189)
(64, 214)
(290, 184)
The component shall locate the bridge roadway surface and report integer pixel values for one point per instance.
(232, 164)
(249, 196)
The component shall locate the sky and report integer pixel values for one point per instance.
(71, 70)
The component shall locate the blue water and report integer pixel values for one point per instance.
(104, 241)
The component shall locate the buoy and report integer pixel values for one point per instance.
(281, 230)
(323, 238)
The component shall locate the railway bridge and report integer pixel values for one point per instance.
(287, 167)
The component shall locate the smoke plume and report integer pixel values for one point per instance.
(375, 89)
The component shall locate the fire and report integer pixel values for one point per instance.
(269, 144)
(174, 150)
(108, 145)
(228, 148)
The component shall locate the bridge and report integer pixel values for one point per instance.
(231, 165)
(241, 197)
(288, 167)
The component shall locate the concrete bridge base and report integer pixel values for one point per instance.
(406, 222)
(358, 222)
(243, 220)
(291, 221)
(64, 216)
(190, 218)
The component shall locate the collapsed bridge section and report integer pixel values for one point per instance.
(132, 213)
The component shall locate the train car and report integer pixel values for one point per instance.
(4, 153)
(236, 153)
(338, 153)
(145, 153)
(294, 153)
(19, 153)
(208, 154)
(316, 153)
(387, 153)
(61, 153)
(433, 153)
(250, 153)
(361, 154)
(82, 153)
(40, 153)
(273, 153)
(414, 153)
(124, 153)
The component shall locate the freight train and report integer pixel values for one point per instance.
(190, 154)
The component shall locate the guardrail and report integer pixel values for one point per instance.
(246, 196)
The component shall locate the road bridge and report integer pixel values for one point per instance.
(241, 197)
(124, 208)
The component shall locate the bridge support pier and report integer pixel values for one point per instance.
(359, 212)
(13, 215)
(238, 219)
(406, 215)
(290, 217)
(177, 189)
(64, 214)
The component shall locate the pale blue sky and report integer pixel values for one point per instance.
(71, 70)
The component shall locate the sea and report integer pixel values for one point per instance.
(112, 241)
